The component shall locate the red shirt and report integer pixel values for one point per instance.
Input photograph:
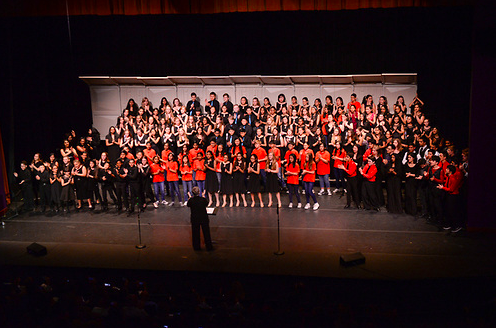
(350, 168)
(172, 176)
(356, 103)
(277, 154)
(293, 179)
(289, 152)
(303, 155)
(309, 177)
(453, 183)
(367, 153)
(341, 153)
(187, 173)
(323, 168)
(199, 166)
(324, 121)
(165, 154)
(261, 153)
(193, 153)
(369, 172)
(219, 159)
(157, 168)
(181, 155)
(441, 175)
(235, 151)
(149, 154)
(213, 148)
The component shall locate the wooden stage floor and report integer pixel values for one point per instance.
(395, 246)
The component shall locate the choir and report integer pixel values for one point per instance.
(231, 150)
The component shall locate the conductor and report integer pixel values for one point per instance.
(199, 218)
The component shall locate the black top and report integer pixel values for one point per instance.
(213, 103)
(132, 174)
(198, 207)
(192, 106)
(229, 106)
(24, 175)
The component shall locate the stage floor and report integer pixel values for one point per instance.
(395, 246)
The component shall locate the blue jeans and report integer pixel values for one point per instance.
(309, 191)
(293, 189)
(281, 178)
(194, 179)
(324, 181)
(174, 190)
(339, 175)
(201, 186)
(187, 186)
(159, 189)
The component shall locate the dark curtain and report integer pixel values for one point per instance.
(4, 185)
(154, 7)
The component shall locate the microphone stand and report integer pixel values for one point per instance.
(140, 245)
(279, 252)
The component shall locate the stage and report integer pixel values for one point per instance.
(395, 246)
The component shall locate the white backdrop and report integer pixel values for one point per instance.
(107, 102)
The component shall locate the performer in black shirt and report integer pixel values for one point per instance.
(213, 102)
(134, 186)
(120, 174)
(199, 219)
(44, 187)
(193, 105)
(24, 180)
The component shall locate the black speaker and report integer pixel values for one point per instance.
(36, 249)
(349, 260)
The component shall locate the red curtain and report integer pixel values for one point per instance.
(154, 7)
(4, 182)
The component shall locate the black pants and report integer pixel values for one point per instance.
(379, 192)
(424, 201)
(369, 195)
(436, 202)
(146, 191)
(93, 192)
(195, 234)
(27, 195)
(136, 197)
(352, 185)
(453, 211)
(120, 188)
(45, 195)
(107, 189)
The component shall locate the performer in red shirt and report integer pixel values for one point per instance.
(451, 187)
(157, 172)
(187, 178)
(369, 191)
(350, 168)
(199, 174)
(354, 102)
(293, 171)
(262, 160)
(308, 173)
(149, 152)
(172, 169)
(193, 157)
(323, 159)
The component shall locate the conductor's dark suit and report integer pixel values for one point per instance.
(199, 218)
